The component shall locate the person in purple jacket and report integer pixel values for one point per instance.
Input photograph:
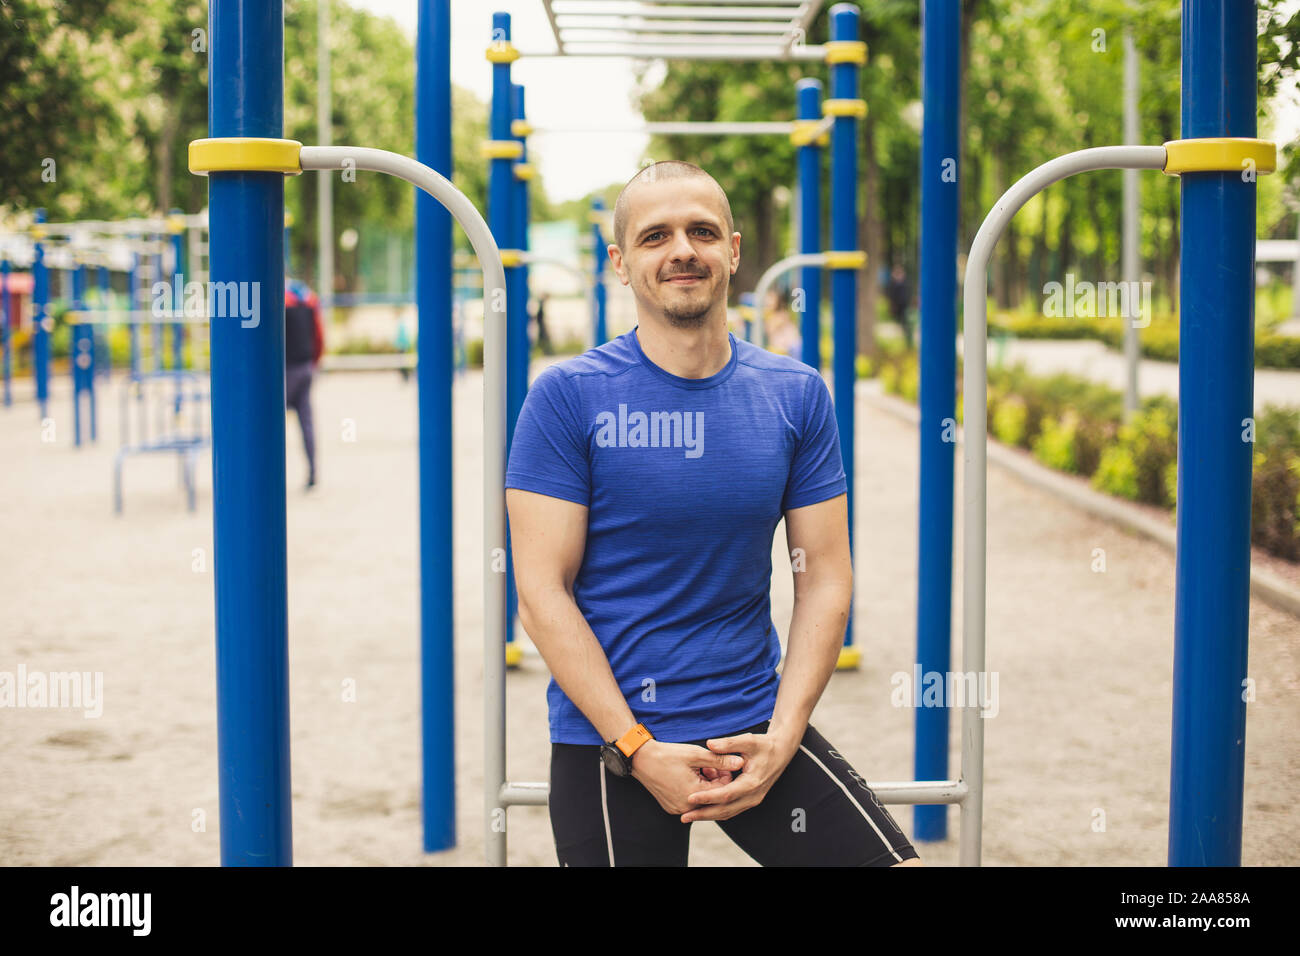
(645, 481)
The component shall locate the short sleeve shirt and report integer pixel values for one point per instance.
(685, 481)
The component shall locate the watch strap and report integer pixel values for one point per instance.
(629, 743)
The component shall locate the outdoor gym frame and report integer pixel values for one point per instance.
(246, 161)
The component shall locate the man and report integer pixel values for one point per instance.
(543, 337)
(304, 341)
(646, 479)
(900, 298)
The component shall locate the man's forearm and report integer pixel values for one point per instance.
(816, 636)
(577, 661)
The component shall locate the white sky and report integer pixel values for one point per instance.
(585, 92)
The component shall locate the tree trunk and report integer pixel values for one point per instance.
(756, 258)
(163, 156)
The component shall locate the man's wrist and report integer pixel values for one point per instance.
(788, 737)
(640, 752)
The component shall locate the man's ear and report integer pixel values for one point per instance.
(616, 260)
(735, 252)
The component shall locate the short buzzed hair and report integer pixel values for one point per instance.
(668, 169)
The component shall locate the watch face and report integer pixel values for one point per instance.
(615, 762)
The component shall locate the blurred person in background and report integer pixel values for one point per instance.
(304, 342)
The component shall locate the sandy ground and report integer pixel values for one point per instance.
(1084, 659)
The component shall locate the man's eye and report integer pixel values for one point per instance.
(704, 229)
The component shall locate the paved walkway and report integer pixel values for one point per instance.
(1083, 659)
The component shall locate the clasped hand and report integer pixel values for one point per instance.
(732, 775)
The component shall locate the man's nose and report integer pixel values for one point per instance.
(681, 248)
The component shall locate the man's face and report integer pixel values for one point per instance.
(678, 258)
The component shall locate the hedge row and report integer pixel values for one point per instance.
(1077, 426)
(1159, 340)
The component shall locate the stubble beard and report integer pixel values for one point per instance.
(689, 316)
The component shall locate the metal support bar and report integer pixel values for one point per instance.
(845, 85)
(434, 374)
(940, 156)
(774, 272)
(975, 444)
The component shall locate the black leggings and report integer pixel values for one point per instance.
(819, 812)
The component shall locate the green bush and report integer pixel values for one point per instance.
(1075, 425)
(1117, 472)
(1055, 445)
(1275, 488)
(1135, 466)
(1171, 482)
(474, 353)
(1008, 424)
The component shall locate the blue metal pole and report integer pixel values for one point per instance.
(941, 93)
(501, 219)
(178, 306)
(155, 328)
(41, 323)
(1215, 395)
(91, 335)
(808, 102)
(75, 349)
(82, 356)
(132, 304)
(519, 346)
(434, 358)
(6, 332)
(178, 299)
(600, 334)
(844, 236)
(105, 303)
(246, 98)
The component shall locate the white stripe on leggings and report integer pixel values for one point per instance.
(604, 808)
(861, 810)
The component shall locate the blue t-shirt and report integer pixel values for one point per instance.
(685, 481)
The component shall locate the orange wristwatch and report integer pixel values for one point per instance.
(617, 754)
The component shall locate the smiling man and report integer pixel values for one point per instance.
(645, 483)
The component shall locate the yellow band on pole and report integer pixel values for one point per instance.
(849, 659)
(177, 224)
(503, 52)
(502, 149)
(510, 258)
(288, 219)
(521, 128)
(846, 259)
(854, 108)
(37, 232)
(243, 154)
(802, 134)
(1228, 154)
(524, 171)
(846, 51)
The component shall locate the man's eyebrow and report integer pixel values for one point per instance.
(663, 225)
